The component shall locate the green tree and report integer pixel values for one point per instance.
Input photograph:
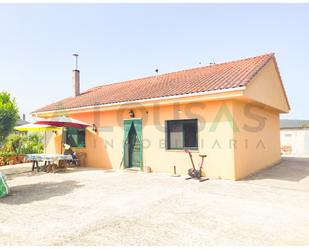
(8, 115)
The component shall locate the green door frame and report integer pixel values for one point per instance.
(137, 122)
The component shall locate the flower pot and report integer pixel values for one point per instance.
(12, 160)
(21, 159)
(147, 169)
(5, 161)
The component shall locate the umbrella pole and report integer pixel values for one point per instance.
(45, 142)
(62, 139)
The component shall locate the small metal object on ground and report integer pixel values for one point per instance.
(175, 174)
(203, 179)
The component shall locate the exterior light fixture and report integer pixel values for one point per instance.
(94, 128)
(131, 113)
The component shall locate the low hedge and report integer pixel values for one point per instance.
(11, 160)
(17, 145)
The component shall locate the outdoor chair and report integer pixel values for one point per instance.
(74, 162)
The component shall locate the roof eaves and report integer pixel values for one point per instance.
(144, 100)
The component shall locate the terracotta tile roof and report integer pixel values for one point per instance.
(227, 75)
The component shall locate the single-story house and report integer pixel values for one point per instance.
(229, 111)
(294, 137)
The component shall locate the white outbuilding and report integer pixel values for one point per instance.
(294, 136)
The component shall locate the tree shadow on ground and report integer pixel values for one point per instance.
(24, 194)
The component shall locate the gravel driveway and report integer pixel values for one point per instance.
(96, 207)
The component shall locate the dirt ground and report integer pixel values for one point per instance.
(96, 207)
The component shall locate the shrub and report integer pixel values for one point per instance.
(18, 145)
(8, 115)
(32, 144)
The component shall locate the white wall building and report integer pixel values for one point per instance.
(294, 136)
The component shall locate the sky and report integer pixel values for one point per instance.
(118, 42)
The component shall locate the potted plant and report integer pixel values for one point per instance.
(5, 161)
(11, 158)
(20, 158)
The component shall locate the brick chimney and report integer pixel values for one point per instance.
(75, 78)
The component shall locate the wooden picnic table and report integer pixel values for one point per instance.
(48, 159)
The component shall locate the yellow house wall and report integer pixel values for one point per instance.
(232, 152)
(258, 139)
(215, 144)
(105, 148)
(252, 151)
(266, 87)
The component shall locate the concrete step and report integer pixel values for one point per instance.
(132, 169)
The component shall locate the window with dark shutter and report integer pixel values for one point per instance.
(75, 137)
(181, 134)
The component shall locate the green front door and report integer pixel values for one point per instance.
(134, 148)
(133, 143)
